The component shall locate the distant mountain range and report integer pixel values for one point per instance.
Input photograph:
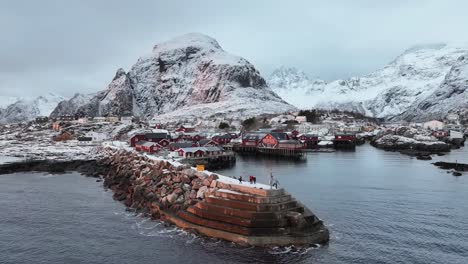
(13, 110)
(425, 82)
(192, 77)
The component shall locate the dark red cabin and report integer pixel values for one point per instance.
(135, 138)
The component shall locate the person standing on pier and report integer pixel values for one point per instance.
(254, 179)
(275, 183)
(240, 179)
(271, 181)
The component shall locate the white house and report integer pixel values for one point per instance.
(96, 136)
(434, 125)
(301, 119)
(82, 120)
(452, 117)
(99, 119)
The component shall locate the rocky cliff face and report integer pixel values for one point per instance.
(71, 106)
(410, 87)
(450, 96)
(26, 109)
(189, 76)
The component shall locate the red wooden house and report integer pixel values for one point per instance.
(440, 134)
(157, 137)
(178, 145)
(273, 139)
(252, 139)
(309, 140)
(139, 145)
(185, 129)
(135, 138)
(207, 143)
(222, 139)
(191, 152)
(150, 147)
(294, 134)
(191, 137)
(345, 140)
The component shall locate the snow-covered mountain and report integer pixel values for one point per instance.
(26, 109)
(187, 77)
(409, 87)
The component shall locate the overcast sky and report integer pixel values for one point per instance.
(76, 46)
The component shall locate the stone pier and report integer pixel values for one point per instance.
(211, 204)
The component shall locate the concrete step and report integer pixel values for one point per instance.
(194, 219)
(253, 198)
(251, 206)
(245, 188)
(240, 213)
(215, 215)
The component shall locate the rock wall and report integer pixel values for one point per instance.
(151, 185)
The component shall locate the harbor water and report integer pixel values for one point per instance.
(380, 207)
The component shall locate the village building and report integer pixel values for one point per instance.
(309, 140)
(185, 129)
(99, 119)
(157, 137)
(191, 152)
(191, 137)
(173, 146)
(85, 140)
(82, 120)
(126, 120)
(136, 138)
(213, 151)
(222, 139)
(301, 119)
(206, 142)
(139, 145)
(454, 127)
(344, 140)
(440, 134)
(150, 147)
(252, 139)
(66, 118)
(434, 125)
(96, 136)
(42, 119)
(453, 118)
(56, 126)
(112, 119)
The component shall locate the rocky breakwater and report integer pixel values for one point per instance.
(211, 204)
(411, 146)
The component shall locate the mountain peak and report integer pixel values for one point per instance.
(119, 73)
(194, 40)
(189, 76)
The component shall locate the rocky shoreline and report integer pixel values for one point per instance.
(204, 203)
(411, 147)
(90, 168)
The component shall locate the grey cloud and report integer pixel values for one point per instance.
(69, 46)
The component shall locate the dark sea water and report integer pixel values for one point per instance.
(380, 207)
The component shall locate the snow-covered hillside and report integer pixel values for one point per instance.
(26, 109)
(190, 75)
(410, 82)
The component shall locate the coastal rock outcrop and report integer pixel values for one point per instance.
(408, 145)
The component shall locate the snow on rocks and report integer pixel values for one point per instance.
(398, 143)
(423, 83)
(188, 76)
